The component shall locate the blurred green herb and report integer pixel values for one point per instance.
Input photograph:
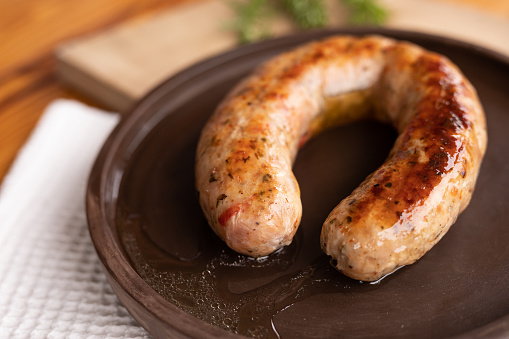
(252, 17)
(306, 13)
(365, 12)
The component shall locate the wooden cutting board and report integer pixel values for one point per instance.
(119, 66)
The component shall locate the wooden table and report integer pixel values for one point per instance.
(29, 32)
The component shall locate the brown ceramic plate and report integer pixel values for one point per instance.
(179, 280)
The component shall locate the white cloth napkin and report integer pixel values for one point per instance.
(51, 283)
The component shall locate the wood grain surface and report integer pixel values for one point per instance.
(30, 30)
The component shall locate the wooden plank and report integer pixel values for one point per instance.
(30, 30)
(451, 20)
(121, 65)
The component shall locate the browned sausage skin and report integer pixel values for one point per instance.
(244, 157)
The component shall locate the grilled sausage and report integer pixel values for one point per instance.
(246, 150)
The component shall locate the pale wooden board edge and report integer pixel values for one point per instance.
(92, 86)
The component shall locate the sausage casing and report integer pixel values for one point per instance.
(246, 150)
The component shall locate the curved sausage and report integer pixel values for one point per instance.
(246, 150)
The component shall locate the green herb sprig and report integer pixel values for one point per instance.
(253, 17)
(306, 13)
(365, 12)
